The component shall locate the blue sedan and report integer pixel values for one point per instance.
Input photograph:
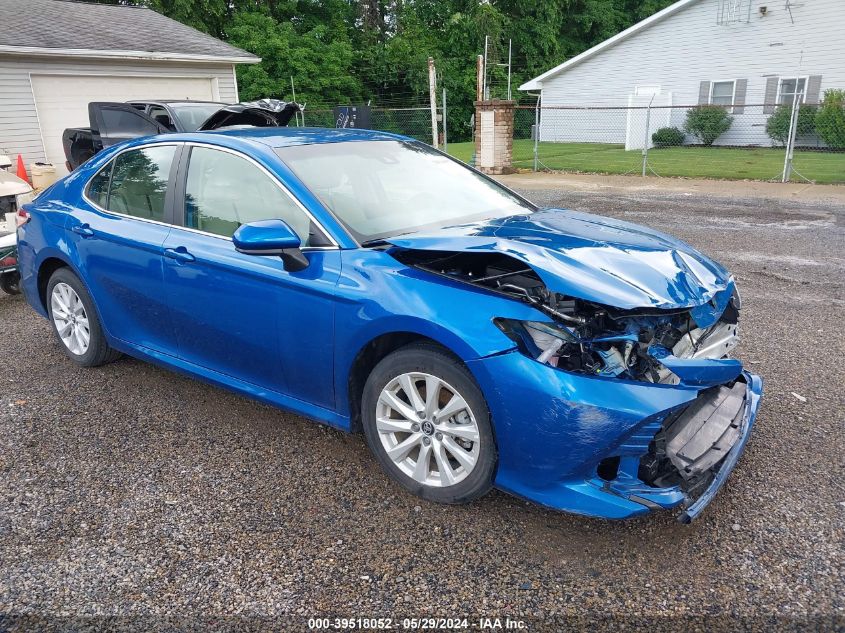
(372, 283)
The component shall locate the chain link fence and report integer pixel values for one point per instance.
(740, 141)
(411, 121)
(768, 142)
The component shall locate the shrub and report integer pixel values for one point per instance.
(830, 119)
(777, 125)
(707, 122)
(668, 137)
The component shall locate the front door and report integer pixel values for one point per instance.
(118, 231)
(240, 315)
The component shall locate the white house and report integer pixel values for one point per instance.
(749, 55)
(56, 56)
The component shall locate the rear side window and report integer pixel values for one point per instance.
(139, 182)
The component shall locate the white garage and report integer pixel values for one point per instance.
(51, 69)
(61, 101)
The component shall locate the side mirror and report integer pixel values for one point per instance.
(271, 237)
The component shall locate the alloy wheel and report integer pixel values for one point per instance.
(427, 429)
(70, 318)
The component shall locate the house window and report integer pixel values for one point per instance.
(722, 93)
(788, 88)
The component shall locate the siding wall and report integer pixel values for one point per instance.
(690, 47)
(19, 129)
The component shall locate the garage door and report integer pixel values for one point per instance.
(62, 100)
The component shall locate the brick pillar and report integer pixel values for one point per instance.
(494, 136)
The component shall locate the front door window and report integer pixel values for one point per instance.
(224, 191)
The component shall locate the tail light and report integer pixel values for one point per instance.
(23, 217)
(8, 261)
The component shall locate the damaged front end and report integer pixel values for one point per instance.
(677, 455)
(665, 346)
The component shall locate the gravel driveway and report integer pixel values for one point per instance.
(128, 490)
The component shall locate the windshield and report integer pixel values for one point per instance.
(380, 189)
(192, 115)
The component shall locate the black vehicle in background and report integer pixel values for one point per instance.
(113, 122)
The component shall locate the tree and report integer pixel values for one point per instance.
(830, 120)
(319, 60)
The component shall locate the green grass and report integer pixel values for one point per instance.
(689, 162)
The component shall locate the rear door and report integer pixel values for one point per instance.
(118, 230)
(117, 122)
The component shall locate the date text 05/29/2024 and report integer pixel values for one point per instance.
(417, 624)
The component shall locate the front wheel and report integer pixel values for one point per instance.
(427, 423)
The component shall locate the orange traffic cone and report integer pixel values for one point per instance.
(22, 170)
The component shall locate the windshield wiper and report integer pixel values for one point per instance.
(376, 242)
(379, 241)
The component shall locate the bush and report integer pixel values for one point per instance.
(668, 137)
(777, 125)
(830, 119)
(707, 122)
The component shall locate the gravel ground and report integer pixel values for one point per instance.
(128, 490)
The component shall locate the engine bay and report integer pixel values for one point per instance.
(582, 336)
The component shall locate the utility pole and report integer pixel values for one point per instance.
(484, 87)
(479, 79)
(445, 139)
(510, 50)
(293, 90)
(432, 97)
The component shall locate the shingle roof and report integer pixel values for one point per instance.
(80, 29)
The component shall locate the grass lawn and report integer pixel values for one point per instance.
(691, 162)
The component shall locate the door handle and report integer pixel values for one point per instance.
(84, 230)
(180, 254)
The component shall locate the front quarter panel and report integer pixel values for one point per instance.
(378, 295)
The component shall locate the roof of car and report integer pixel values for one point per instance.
(291, 136)
(60, 27)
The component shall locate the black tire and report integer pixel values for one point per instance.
(433, 360)
(98, 352)
(10, 283)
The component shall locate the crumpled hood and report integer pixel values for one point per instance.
(261, 113)
(590, 257)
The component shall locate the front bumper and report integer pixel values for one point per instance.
(754, 392)
(554, 429)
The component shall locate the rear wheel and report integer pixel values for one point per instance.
(427, 423)
(75, 321)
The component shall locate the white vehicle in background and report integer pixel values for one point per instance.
(14, 193)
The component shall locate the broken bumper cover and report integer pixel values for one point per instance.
(753, 393)
(554, 429)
